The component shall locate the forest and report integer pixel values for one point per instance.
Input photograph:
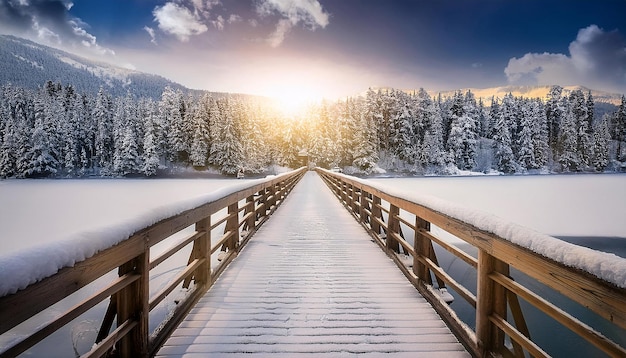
(55, 131)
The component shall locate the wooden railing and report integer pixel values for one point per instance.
(130, 300)
(389, 218)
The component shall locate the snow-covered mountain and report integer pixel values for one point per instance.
(27, 64)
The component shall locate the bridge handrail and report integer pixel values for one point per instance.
(384, 216)
(129, 294)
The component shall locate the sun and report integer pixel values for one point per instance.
(293, 100)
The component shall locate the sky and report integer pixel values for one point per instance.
(336, 48)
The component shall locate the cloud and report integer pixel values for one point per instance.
(233, 18)
(179, 21)
(150, 32)
(219, 23)
(292, 12)
(596, 59)
(50, 22)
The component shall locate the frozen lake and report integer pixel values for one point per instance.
(572, 207)
(36, 211)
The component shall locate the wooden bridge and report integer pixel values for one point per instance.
(312, 280)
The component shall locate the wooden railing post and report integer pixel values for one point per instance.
(393, 228)
(422, 249)
(376, 213)
(133, 305)
(232, 225)
(355, 200)
(365, 207)
(203, 243)
(491, 299)
(250, 209)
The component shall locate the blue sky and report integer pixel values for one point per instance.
(340, 47)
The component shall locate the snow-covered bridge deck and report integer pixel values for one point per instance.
(311, 281)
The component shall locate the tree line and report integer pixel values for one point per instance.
(56, 132)
(418, 133)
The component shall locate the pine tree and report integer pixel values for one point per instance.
(103, 120)
(601, 138)
(228, 150)
(364, 154)
(127, 161)
(462, 140)
(555, 111)
(584, 142)
(435, 156)
(200, 143)
(525, 142)
(539, 133)
(619, 128)
(494, 115)
(569, 158)
(150, 149)
(42, 161)
(502, 145)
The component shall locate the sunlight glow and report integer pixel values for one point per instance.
(293, 100)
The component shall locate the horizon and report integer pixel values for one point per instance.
(302, 50)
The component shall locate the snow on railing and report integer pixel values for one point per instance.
(596, 280)
(27, 288)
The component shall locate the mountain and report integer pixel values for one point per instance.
(27, 64)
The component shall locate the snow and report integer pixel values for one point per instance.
(57, 223)
(564, 202)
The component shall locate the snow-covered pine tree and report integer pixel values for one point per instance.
(22, 116)
(150, 146)
(435, 156)
(539, 133)
(215, 129)
(103, 120)
(601, 138)
(200, 143)
(482, 120)
(555, 110)
(126, 158)
(494, 115)
(525, 144)
(569, 158)
(463, 138)
(582, 124)
(618, 132)
(503, 154)
(42, 161)
(364, 153)
(127, 161)
(229, 151)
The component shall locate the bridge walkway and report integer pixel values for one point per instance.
(312, 282)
